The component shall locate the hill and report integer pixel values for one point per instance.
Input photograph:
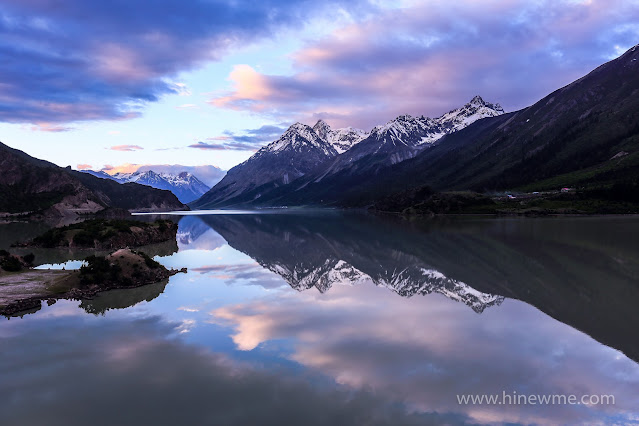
(32, 186)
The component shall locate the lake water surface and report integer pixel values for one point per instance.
(342, 318)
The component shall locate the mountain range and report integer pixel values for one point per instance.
(584, 135)
(32, 186)
(184, 185)
(305, 154)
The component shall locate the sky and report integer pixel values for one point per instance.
(118, 84)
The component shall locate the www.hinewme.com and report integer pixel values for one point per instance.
(514, 398)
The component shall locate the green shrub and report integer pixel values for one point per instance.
(51, 238)
(84, 238)
(10, 264)
(96, 270)
(148, 261)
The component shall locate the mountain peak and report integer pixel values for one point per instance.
(322, 129)
(479, 102)
(298, 137)
(404, 117)
(321, 123)
(296, 127)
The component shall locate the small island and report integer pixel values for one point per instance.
(22, 291)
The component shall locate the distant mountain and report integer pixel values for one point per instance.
(298, 151)
(100, 174)
(31, 185)
(209, 175)
(184, 185)
(306, 155)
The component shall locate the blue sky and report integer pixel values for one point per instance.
(99, 84)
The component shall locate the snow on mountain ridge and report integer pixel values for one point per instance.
(400, 129)
(331, 142)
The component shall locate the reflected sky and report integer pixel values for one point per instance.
(333, 320)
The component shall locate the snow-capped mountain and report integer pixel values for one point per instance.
(298, 151)
(403, 137)
(462, 117)
(415, 131)
(184, 185)
(317, 152)
(341, 139)
(298, 137)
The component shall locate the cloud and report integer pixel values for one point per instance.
(107, 364)
(48, 127)
(186, 106)
(84, 166)
(439, 349)
(122, 168)
(430, 57)
(251, 140)
(85, 60)
(126, 148)
(245, 274)
(224, 146)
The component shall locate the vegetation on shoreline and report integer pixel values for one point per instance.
(13, 263)
(621, 198)
(106, 234)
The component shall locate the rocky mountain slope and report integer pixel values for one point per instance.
(29, 185)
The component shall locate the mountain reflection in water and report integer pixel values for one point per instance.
(583, 271)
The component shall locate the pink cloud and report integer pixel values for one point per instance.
(84, 166)
(126, 148)
(122, 168)
(48, 127)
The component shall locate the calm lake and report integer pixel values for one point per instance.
(342, 318)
